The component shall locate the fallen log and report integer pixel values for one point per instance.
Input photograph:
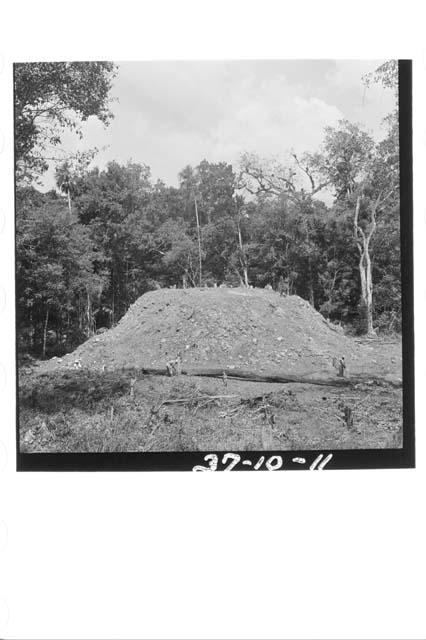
(250, 376)
(240, 374)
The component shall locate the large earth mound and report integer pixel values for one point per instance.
(253, 329)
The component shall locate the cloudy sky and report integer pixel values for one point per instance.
(170, 114)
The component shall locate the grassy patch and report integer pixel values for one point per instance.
(85, 411)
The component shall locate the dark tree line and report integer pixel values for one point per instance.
(86, 251)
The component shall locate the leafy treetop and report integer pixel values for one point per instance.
(50, 96)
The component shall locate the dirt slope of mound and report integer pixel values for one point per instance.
(253, 329)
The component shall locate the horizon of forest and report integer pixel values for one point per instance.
(88, 249)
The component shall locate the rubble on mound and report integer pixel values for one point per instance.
(232, 328)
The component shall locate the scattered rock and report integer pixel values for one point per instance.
(28, 437)
(261, 328)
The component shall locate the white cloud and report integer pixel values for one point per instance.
(173, 114)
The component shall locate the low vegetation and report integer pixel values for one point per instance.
(310, 248)
(88, 411)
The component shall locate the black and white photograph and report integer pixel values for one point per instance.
(212, 232)
(213, 260)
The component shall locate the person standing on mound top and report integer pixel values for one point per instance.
(283, 286)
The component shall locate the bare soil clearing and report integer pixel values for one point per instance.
(229, 328)
(96, 399)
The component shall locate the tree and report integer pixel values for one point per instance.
(56, 276)
(188, 183)
(241, 216)
(297, 183)
(70, 170)
(112, 204)
(210, 193)
(364, 182)
(180, 254)
(51, 96)
(64, 180)
(386, 75)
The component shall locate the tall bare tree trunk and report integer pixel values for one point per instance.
(310, 276)
(311, 285)
(199, 239)
(31, 332)
(243, 255)
(69, 204)
(127, 284)
(362, 239)
(45, 331)
(89, 315)
(112, 319)
(80, 313)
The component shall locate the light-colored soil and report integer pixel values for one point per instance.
(82, 402)
(243, 328)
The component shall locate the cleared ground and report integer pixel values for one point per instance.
(97, 399)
